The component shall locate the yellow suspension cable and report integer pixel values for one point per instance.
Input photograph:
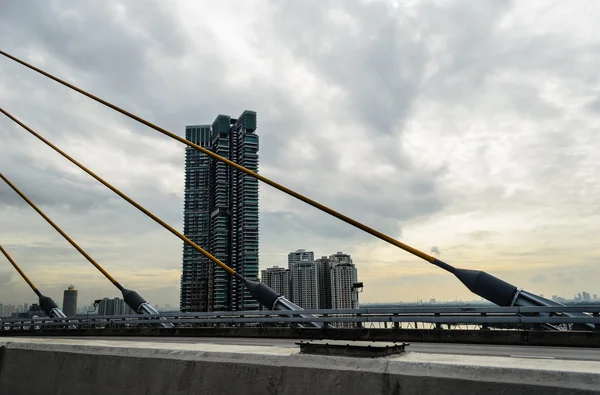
(18, 269)
(121, 194)
(288, 191)
(63, 234)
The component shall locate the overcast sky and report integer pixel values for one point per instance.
(470, 126)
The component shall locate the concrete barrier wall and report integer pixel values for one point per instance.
(60, 367)
(530, 338)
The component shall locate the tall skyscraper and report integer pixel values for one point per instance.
(324, 265)
(221, 215)
(196, 278)
(304, 284)
(278, 279)
(300, 255)
(70, 301)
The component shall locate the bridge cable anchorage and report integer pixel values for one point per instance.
(46, 303)
(132, 298)
(479, 282)
(261, 292)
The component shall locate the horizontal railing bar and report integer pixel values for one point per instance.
(363, 311)
(373, 319)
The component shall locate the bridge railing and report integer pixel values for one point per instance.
(472, 316)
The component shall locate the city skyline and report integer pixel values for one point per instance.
(379, 111)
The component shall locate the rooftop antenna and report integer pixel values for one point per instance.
(259, 291)
(479, 282)
(46, 303)
(132, 298)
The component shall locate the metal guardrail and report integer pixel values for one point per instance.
(513, 316)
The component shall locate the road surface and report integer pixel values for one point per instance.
(529, 352)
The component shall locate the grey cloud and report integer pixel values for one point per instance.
(45, 185)
(377, 62)
(594, 105)
(538, 278)
(126, 40)
(482, 235)
(381, 60)
(5, 277)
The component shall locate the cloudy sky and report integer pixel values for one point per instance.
(470, 126)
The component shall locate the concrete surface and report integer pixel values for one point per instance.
(81, 366)
(497, 337)
(565, 353)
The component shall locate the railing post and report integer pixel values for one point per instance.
(396, 323)
(359, 324)
(484, 325)
(438, 325)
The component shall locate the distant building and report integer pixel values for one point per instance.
(70, 301)
(343, 278)
(278, 279)
(299, 256)
(33, 311)
(586, 296)
(558, 299)
(340, 257)
(304, 284)
(324, 266)
(7, 310)
(114, 306)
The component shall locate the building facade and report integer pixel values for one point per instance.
(340, 257)
(278, 279)
(304, 284)
(343, 278)
(114, 306)
(299, 256)
(70, 301)
(196, 284)
(324, 266)
(221, 215)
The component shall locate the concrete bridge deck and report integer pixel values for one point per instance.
(211, 366)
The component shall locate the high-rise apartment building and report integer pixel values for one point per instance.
(343, 278)
(324, 265)
(114, 306)
(304, 284)
(70, 301)
(221, 215)
(196, 278)
(340, 257)
(299, 256)
(333, 287)
(278, 279)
